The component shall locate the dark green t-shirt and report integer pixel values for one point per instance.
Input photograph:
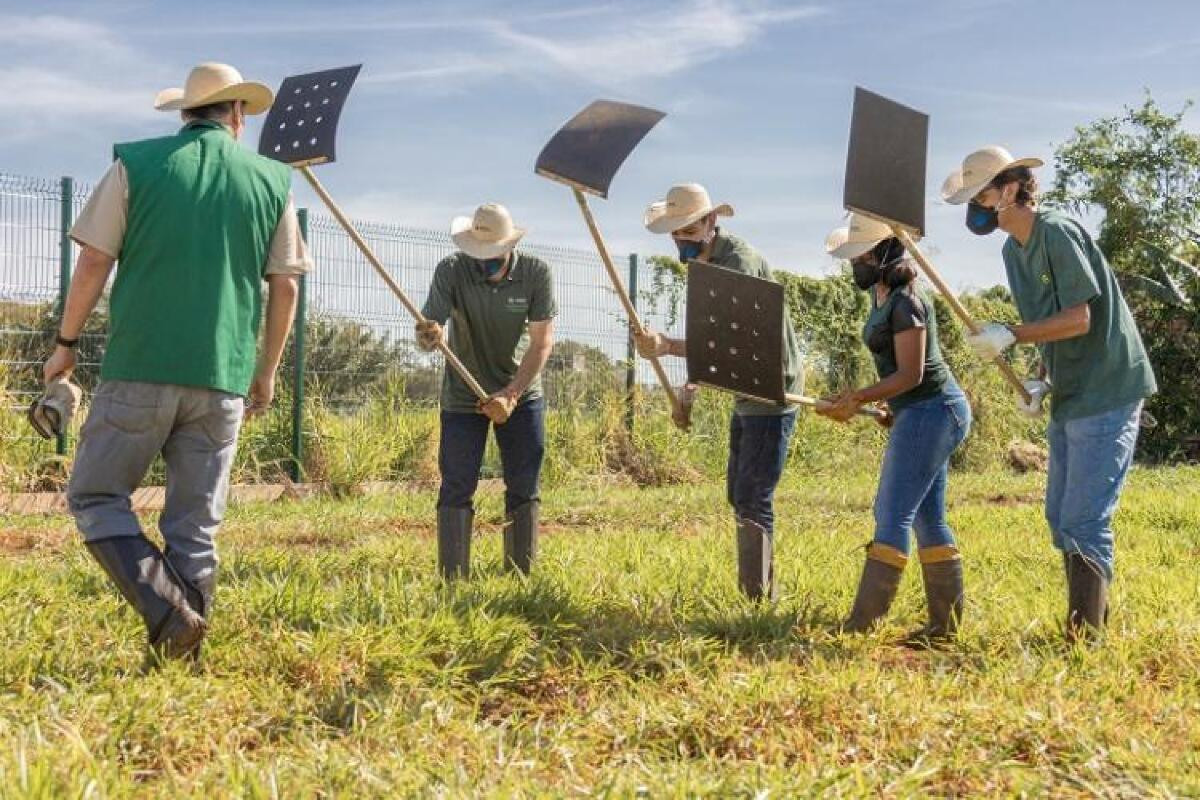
(904, 309)
(488, 322)
(1060, 267)
(733, 253)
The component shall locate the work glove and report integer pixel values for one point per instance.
(498, 407)
(1037, 393)
(651, 344)
(992, 340)
(429, 335)
(51, 413)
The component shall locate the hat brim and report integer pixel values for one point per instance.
(838, 245)
(657, 220)
(257, 98)
(465, 239)
(955, 192)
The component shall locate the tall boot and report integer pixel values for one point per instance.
(1087, 598)
(521, 537)
(756, 560)
(877, 587)
(454, 542)
(145, 580)
(942, 574)
(199, 593)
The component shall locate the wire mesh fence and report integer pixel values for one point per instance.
(357, 339)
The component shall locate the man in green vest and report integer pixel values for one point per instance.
(198, 224)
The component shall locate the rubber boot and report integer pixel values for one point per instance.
(756, 560)
(147, 583)
(454, 542)
(521, 538)
(941, 572)
(877, 587)
(199, 594)
(1087, 598)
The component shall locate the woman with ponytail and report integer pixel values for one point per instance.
(928, 417)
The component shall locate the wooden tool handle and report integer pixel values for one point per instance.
(357, 238)
(635, 321)
(812, 402)
(936, 279)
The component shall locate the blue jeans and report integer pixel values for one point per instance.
(1089, 459)
(522, 442)
(912, 483)
(758, 448)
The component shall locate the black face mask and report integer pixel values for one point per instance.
(981, 220)
(865, 275)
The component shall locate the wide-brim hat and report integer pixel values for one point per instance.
(978, 170)
(489, 233)
(857, 237)
(685, 203)
(215, 83)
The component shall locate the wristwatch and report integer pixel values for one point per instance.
(67, 343)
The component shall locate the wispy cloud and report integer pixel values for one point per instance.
(662, 42)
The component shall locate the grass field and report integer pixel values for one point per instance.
(338, 666)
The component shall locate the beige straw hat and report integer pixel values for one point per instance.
(977, 172)
(490, 233)
(215, 83)
(858, 236)
(685, 203)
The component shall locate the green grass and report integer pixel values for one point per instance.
(338, 666)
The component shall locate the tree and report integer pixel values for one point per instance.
(1142, 170)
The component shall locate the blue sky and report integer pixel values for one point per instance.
(456, 98)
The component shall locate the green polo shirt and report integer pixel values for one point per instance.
(733, 253)
(488, 322)
(1060, 267)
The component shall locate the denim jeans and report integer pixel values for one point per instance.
(522, 442)
(912, 483)
(1089, 459)
(758, 448)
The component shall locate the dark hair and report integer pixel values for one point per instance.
(212, 111)
(1027, 188)
(896, 269)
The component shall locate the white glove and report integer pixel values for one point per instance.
(992, 340)
(1037, 393)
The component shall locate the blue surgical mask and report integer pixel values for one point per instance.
(982, 220)
(492, 266)
(688, 249)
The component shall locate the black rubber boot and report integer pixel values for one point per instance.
(521, 538)
(942, 574)
(147, 583)
(877, 587)
(1087, 598)
(756, 560)
(454, 542)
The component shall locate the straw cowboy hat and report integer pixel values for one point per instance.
(488, 234)
(215, 83)
(858, 236)
(977, 172)
(685, 203)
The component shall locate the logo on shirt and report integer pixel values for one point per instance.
(1045, 278)
(517, 304)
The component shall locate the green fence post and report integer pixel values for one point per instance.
(298, 327)
(631, 369)
(66, 219)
